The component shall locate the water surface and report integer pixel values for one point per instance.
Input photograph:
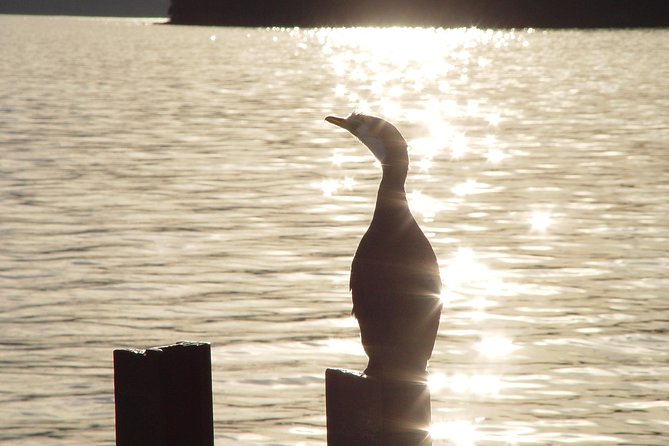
(166, 183)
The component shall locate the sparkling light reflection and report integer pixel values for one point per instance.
(348, 183)
(540, 221)
(461, 383)
(494, 119)
(495, 346)
(468, 187)
(423, 205)
(495, 156)
(458, 433)
(344, 346)
(464, 268)
(337, 159)
(329, 187)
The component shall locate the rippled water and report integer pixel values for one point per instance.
(166, 183)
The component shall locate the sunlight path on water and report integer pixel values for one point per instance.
(416, 78)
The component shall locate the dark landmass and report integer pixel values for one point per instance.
(104, 8)
(436, 13)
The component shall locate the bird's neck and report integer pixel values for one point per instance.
(392, 198)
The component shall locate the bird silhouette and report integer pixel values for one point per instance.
(395, 280)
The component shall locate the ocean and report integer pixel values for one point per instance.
(165, 183)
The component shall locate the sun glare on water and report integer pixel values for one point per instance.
(495, 346)
(458, 433)
(417, 78)
(384, 67)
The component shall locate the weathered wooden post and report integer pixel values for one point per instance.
(365, 411)
(163, 396)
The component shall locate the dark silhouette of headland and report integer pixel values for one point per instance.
(431, 13)
(103, 8)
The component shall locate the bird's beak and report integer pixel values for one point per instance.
(340, 122)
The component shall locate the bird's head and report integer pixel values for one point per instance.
(380, 136)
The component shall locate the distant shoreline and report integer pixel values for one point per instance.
(580, 14)
(430, 13)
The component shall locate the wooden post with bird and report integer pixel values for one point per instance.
(395, 286)
(163, 395)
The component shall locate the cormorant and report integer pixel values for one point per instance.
(395, 280)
